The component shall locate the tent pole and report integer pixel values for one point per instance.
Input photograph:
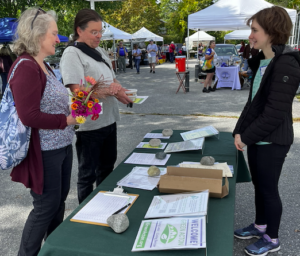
(92, 4)
(115, 55)
(198, 46)
(298, 36)
(131, 54)
(187, 50)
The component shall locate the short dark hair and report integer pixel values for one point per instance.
(210, 43)
(276, 23)
(83, 17)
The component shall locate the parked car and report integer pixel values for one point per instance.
(54, 60)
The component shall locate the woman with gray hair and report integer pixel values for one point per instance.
(42, 103)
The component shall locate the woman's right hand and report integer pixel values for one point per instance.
(71, 120)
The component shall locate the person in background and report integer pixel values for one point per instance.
(241, 50)
(122, 54)
(184, 49)
(42, 103)
(171, 51)
(249, 52)
(210, 55)
(176, 50)
(266, 124)
(200, 51)
(152, 50)
(96, 142)
(5, 65)
(167, 53)
(137, 53)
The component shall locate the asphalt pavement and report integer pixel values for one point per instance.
(165, 109)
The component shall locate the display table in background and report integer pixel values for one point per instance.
(228, 77)
(79, 239)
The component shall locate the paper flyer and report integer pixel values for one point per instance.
(146, 159)
(199, 133)
(156, 136)
(184, 204)
(196, 144)
(171, 233)
(147, 145)
(140, 99)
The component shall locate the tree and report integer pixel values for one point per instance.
(135, 14)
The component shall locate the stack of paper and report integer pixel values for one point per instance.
(147, 145)
(196, 144)
(185, 204)
(156, 136)
(146, 159)
(199, 133)
(139, 178)
(172, 233)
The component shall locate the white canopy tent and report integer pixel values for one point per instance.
(146, 35)
(229, 15)
(238, 34)
(197, 37)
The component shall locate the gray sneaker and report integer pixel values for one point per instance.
(248, 232)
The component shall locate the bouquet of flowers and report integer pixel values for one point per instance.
(84, 103)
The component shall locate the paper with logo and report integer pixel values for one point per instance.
(184, 204)
(147, 145)
(101, 206)
(146, 159)
(171, 233)
(229, 166)
(140, 99)
(156, 136)
(221, 166)
(199, 133)
(196, 144)
(139, 178)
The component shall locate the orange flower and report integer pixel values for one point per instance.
(76, 90)
(96, 100)
(74, 106)
(73, 99)
(90, 104)
(80, 94)
(90, 80)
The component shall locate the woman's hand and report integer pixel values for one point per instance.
(114, 88)
(238, 142)
(71, 120)
(122, 96)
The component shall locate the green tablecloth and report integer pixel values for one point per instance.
(77, 239)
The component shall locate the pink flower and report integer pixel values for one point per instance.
(96, 109)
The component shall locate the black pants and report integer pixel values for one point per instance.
(265, 162)
(49, 208)
(97, 154)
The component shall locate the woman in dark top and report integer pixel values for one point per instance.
(42, 103)
(5, 64)
(265, 124)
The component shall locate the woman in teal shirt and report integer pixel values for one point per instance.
(265, 124)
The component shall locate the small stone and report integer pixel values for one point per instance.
(207, 160)
(154, 142)
(118, 222)
(167, 132)
(161, 155)
(153, 171)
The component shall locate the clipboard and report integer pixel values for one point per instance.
(118, 192)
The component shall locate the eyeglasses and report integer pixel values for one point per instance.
(40, 10)
(96, 33)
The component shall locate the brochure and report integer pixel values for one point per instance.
(199, 133)
(184, 204)
(196, 144)
(156, 136)
(147, 145)
(171, 233)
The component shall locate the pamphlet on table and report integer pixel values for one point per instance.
(199, 133)
(184, 204)
(196, 144)
(147, 145)
(101, 206)
(139, 178)
(171, 233)
(146, 159)
(156, 136)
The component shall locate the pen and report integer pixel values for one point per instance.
(118, 211)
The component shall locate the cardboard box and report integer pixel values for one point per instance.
(181, 179)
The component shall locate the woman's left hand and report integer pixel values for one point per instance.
(238, 142)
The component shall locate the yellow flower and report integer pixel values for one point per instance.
(73, 99)
(80, 119)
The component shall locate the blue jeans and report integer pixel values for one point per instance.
(4, 81)
(49, 207)
(245, 65)
(137, 64)
(97, 154)
(171, 57)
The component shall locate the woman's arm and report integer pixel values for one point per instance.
(27, 90)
